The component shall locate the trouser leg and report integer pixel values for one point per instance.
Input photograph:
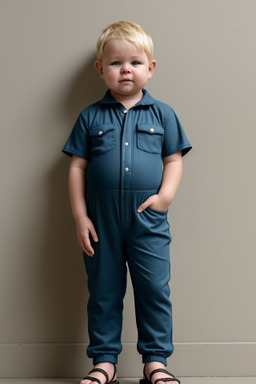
(106, 272)
(149, 264)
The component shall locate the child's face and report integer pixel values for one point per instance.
(125, 68)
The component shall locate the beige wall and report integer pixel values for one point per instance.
(206, 59)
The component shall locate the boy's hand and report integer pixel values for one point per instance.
(170, 181)
(154, 202)
(85, 227)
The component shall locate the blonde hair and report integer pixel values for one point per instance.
(132, 32)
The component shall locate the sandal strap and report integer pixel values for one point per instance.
(172, 378)
(151, 374)
(91, 378)
(101, 371)
(114, 373)
(158, 370)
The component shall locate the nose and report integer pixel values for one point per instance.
(125, 68)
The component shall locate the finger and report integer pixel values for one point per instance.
(88, 250)
(144, 205)
(87, 246)
(94, 233)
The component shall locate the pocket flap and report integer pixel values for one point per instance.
(100, 130)
(150, 128)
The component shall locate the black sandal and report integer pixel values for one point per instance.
(91, 378)
(148, 381)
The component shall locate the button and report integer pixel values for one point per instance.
(100, 133)
(126, 144)
(126, 169)
(125, 111)
(152, 130)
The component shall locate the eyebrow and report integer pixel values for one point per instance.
(118, 57)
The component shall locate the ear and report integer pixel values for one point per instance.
(99, 68)
(151, 68)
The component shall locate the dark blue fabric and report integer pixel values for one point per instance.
(141, 242)
(151, 129)
(125, 151)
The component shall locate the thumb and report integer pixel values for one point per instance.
(144, 205)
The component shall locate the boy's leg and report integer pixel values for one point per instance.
(106, 272)
(149, 264)
(107, 286)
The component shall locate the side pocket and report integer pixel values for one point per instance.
(157, 223)
(158, 212)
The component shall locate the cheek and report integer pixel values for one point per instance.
(111, 75)
(141, 76)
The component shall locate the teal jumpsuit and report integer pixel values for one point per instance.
(125, 151)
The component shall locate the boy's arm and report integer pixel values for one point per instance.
(77, 187)
(172, 173)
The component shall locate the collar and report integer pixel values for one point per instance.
(146, 100)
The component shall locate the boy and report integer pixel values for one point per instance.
(125, 170)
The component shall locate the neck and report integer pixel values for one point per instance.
(128, 101)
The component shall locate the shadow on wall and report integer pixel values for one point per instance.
(85, 88)
(62, 274)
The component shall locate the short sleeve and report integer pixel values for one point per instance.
(175, 139)
(78, 141)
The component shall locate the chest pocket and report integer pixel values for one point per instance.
(103, 139)
(150, 138)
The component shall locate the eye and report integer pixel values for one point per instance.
(115, 63)
(135, 63)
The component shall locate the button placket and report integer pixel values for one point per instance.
(126, 168)
(126, 151)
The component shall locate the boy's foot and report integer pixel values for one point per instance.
(109, 368)
(151, 366)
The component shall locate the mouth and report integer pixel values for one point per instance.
(125, 81)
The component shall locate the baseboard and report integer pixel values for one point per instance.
(69, 360)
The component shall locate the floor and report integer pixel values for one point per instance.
(185, 380)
